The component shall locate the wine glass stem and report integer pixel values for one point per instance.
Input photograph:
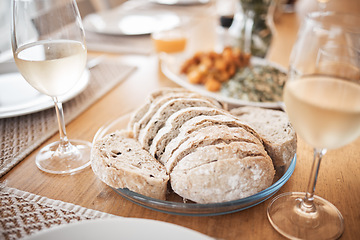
(308, 204)
(64, 142)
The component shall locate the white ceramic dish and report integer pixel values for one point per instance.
(170, 66)
(131, 22)
(18, 98)
(119, 228)
(174, 204)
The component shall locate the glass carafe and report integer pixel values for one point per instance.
(252, 28)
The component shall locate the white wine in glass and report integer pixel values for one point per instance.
(48, 43)
(53, 66)
(322, 100)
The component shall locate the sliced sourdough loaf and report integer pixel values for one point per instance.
(273, 126)
(120, 162)
(192, 125)
(209, 135)
(223, 172)
(212, 155)
(163, 113)
(174, 122)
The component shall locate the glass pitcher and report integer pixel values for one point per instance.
(252, 28)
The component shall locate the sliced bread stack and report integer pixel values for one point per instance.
(208, 154)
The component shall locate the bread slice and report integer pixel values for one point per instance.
(120, 162)
(210, 153)
(139, 113)
(273, 126)
(223, 172)
(209, 135)
(164, 112)
(174, 122)
(178, 136)
(160, 101)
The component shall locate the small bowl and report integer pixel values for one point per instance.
(176, 205)
(169, 41)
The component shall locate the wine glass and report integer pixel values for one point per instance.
(322, 100)
(48, 44)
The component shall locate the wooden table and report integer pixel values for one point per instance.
(338, 181)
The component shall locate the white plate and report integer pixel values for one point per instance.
(181, 2)
(170, 66)
(131, 22)
(119, 228)
(17, 97)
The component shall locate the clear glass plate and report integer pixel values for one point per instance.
(175, 204)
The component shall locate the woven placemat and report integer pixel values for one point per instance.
(23, 213)
(19, 136)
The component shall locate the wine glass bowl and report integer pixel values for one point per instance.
(322, 100)
(340, 61)
(39, 63)
(48, 43)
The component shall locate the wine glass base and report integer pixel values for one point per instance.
(289, 220)
(49, 160)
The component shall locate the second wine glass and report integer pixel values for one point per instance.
(322, 100)
(48, 43)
